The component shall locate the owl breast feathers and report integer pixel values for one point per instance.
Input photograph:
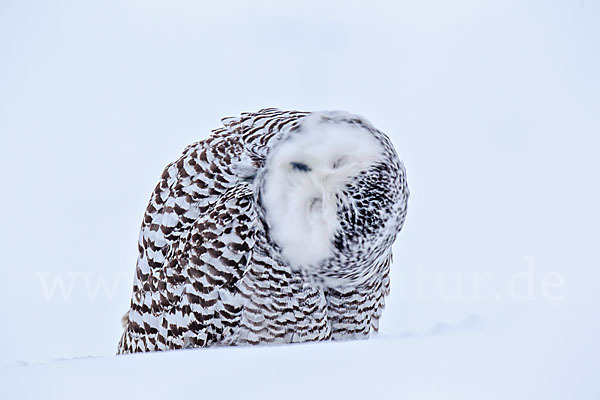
(276, 229)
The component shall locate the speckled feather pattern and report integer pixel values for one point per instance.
(209, 273)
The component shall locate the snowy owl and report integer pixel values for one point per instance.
(277, 228)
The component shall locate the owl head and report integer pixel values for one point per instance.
(334, 196)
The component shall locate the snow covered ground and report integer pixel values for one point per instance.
(493, 105)
(492, 365)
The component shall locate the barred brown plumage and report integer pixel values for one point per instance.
(239, 245)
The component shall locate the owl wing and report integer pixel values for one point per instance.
(214, 257)
(195, 242)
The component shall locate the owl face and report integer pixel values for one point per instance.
(311, 189)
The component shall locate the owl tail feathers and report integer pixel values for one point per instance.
(125, 319)
(123, 346)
